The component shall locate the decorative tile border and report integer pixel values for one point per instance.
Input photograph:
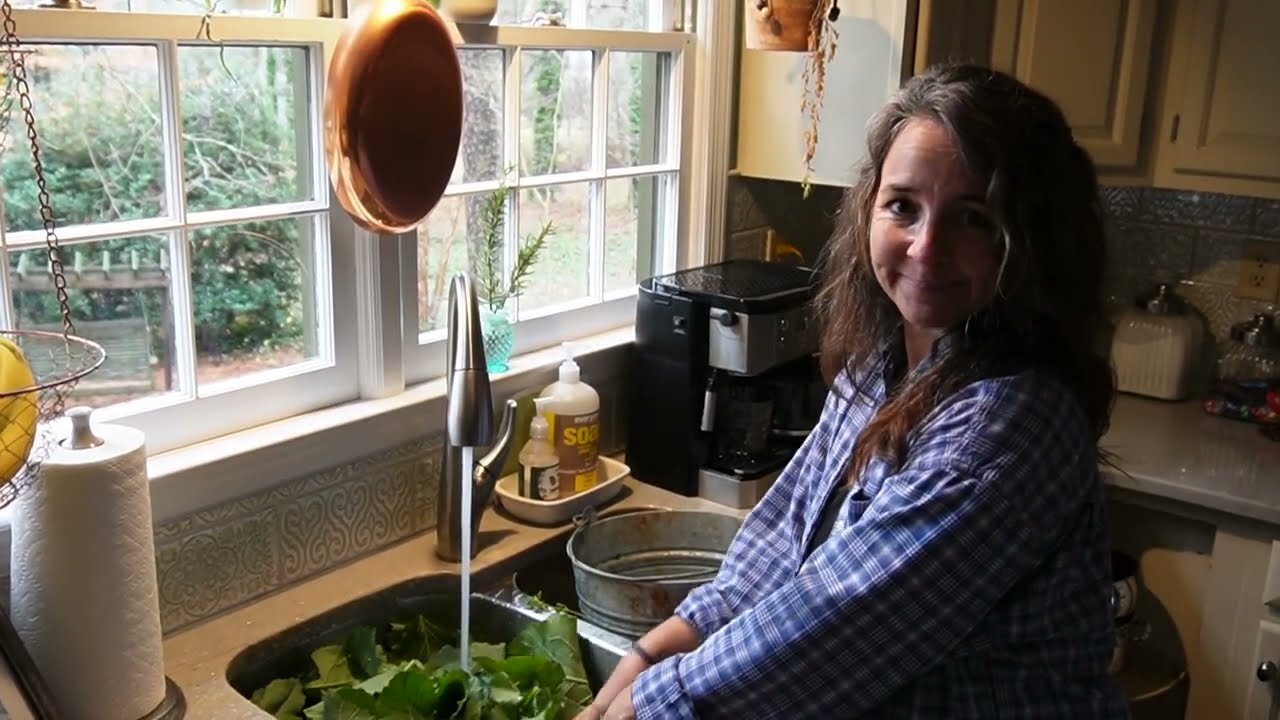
(218, 558)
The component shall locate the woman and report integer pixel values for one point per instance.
(938, 547)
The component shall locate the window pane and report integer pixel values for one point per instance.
(619, 14)
(562, 271)
(442, 251)
(246, 134)
(187, 7)
(555, 111)
(632, 225)
(98, 119)
(253, 287)
(119, 295)
(480, 156)
(637, 105)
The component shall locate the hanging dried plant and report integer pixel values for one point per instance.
(822, 50)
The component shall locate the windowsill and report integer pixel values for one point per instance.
(235, 465)
(243, 463)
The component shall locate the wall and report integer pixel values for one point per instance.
(1194, 239)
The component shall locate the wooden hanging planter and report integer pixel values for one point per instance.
(782, 25)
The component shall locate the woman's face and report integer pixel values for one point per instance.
(934, 244)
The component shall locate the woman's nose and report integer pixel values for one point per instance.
(931, 241)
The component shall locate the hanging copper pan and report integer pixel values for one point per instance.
(392, 114)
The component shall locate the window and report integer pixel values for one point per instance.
(204, 248)
(584, 127)
(194, 218)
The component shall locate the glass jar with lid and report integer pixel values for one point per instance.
(1253, 353)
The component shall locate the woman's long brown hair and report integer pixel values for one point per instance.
(1048, 310)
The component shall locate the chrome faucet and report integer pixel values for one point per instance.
(468, 422)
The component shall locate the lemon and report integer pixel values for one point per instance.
(18, 413)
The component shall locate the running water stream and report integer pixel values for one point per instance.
(464, 636)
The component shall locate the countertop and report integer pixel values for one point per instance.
(1176, 451)
(1167, 451)
(196, 658)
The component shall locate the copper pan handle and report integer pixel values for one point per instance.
(392, 114)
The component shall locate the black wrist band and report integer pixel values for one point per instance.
(643, 654)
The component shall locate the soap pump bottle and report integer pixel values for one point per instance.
(573, 418)
(539, 474)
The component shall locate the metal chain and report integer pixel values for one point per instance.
(12, 45)
(6, 108)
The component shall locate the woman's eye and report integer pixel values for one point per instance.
(977, 219)
(899, 206)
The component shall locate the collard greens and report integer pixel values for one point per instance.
(410, 671)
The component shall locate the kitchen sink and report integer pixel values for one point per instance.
(549, 578)
(499, 610)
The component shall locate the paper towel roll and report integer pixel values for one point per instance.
(83, 592)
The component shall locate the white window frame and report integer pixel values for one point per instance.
(422, 355)
(175, 420)
(369, 273)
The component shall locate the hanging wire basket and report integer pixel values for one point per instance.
(38, 369)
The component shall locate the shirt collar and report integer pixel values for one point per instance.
(893, 355)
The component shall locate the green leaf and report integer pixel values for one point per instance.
(364, 657)
(349, 704)
(556, 638)
(283, 698)
(331, 664)
(494, 651)
(417, 639)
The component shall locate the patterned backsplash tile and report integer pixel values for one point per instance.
(1193, 239)
(218, 558)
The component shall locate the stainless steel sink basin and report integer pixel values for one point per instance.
(498, 613)
(550, 578)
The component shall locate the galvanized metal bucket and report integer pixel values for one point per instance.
(632, 570)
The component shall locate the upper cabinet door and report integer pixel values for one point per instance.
(1092, 57)
(1227, 81)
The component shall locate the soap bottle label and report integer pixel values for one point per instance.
(577, 441)
(540, 483)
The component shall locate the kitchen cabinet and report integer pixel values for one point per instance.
(1239, 630)
(1264, 700)
(1221, 116)
(1092, 57)
(880, 43)
(1171, 93)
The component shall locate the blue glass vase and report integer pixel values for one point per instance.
(498, 334)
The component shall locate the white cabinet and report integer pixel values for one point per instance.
(1221, 117)
(1264, 693)
(1092, 57)
(866, 70)
(880, 43)
(1240, 630)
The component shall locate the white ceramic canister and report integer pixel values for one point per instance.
(1156, 346)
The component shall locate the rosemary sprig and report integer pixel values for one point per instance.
(489, 252)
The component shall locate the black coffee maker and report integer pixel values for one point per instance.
(724, 380)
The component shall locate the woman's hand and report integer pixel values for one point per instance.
(619, 683)
(673, 636)
(621, 707)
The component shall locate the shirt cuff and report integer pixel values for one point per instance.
(705, 609)
(658, 693)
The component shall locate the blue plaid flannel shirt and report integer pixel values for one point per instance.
(971, 582)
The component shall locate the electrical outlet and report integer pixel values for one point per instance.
(1259, 271)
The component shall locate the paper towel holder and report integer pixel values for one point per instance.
(82, 437)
